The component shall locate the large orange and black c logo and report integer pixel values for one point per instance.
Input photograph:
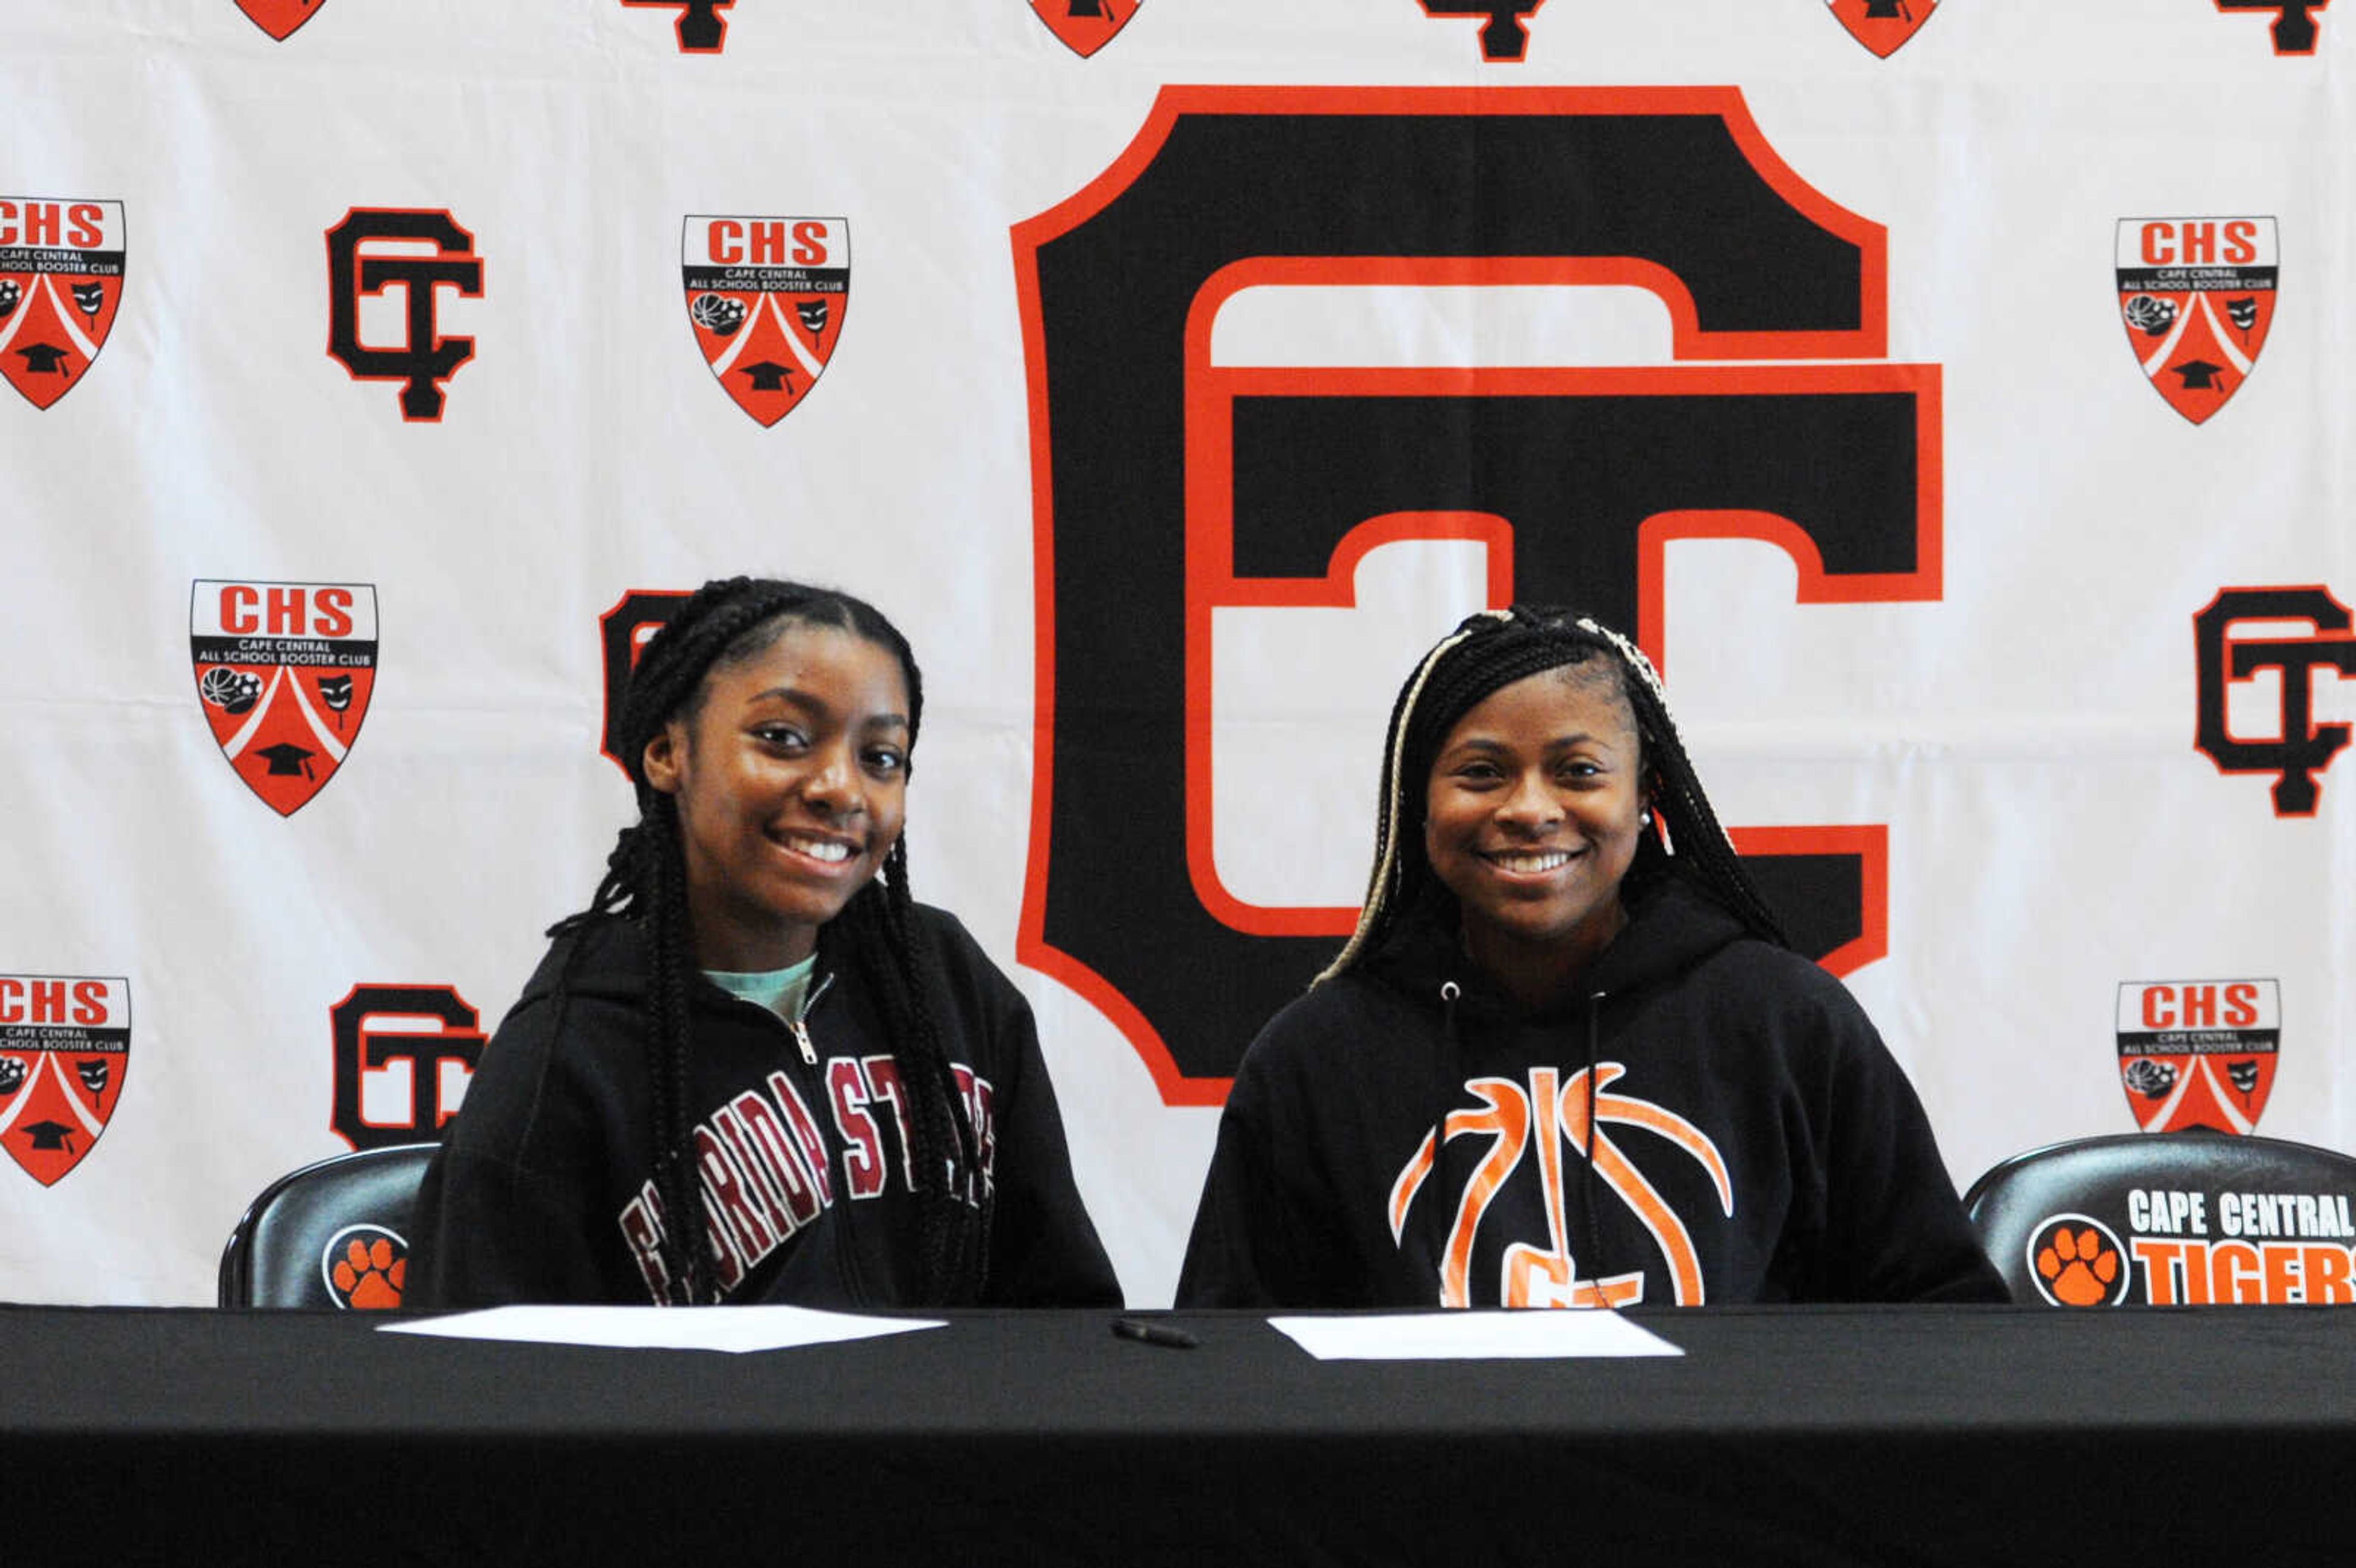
(1167, 484)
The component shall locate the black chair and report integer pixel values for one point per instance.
(331, 1234)
(2170, 1218)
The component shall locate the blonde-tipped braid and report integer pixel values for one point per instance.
(1380, 881)
(1637, 660)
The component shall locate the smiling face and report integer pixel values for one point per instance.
(1531, 817)
(790, 773)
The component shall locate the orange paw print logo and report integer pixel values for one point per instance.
(2078, 1262)
(365, 1265)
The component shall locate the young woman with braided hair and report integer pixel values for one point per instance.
(753, 1069)
(1566, 1058)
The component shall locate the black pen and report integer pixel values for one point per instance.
(1146, 1333)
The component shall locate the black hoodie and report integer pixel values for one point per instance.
(543, 1191)
(1758, 1142)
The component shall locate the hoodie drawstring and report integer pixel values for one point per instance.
(1587, 1178)
(1443, 1094)
(1444, 1064)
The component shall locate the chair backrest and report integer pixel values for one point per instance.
(2170, 1218)
(331, 1234)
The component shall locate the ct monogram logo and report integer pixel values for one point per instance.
(2294, 26)
(624, 633)
(2300, 748)
(420, 251)
(404, 1055)
(1504, 35)
(701, 29)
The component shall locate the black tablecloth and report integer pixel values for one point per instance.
(1859, 1435)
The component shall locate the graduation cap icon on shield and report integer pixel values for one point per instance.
(769, 376)
(287, 760)
(50, 1137)
(2199, 376)
(44, 358)
(1887, 11)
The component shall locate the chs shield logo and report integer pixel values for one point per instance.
(60, 286)
(2077, 1262)
(2198, 1053)
(625, 631)
(405, 1056)
(2298, 748)
(1085, 26)
(765, 299)
(419, 253)
(2197, 295)
(365, 1267)
(279, 17)
(285, 671)
(701, 29)
(65, 1046)
(2295, 27)
(1883, 26)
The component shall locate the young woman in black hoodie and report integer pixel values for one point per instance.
(1566, 1058)
(753, 1069)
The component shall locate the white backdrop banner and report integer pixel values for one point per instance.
(1953, 397)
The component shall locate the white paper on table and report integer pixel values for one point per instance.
(732, 1328)
(1458, 1336)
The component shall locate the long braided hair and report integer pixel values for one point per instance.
(1492, 649)
(723, 623)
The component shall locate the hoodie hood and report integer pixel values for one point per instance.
(608, 958)
(540, 1192)
(1672, 925)
(1704, 1117)
(604, 957)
